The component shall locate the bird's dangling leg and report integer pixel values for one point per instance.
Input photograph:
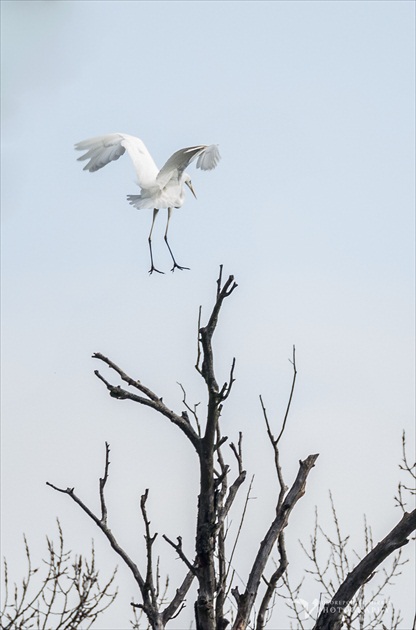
(175, 264)
(152, 267)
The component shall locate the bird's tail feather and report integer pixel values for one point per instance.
(137, 201)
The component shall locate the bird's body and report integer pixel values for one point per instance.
(162, 188)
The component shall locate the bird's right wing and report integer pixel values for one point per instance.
(102, 150)
(208, 158)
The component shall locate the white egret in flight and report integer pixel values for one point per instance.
(159, 188)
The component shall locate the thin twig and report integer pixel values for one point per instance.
(238, 452)
(226, 388)
(192, 411)
(243, 515)
(150, 399)
(178, 548)
(278, 467)
(293, 362)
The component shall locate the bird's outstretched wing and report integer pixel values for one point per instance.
(102, 150)
(208, 158)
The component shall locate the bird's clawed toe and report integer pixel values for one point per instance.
(175, 266)
(152, 269)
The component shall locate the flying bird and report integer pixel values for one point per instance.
(162, 188)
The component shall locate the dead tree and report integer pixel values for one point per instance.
(209, 565)
(216, 496)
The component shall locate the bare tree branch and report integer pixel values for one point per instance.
(293, 362)
(246, 600)
(207, 523)
(107, 532)
(178, 602)
(331, 615)
(238, 452)
(192, 411)
(147, 589)
(151, 400)
(198, 353)
(178, 548)
(206, 333)
(149, 544)
(226, 388)
(220, 492)
(212, 563)
(103, 481)
(240, 527)
(274, 441)
(272, 583)
(404, 491)
(70, 594)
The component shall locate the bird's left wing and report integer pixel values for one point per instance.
(102, 150)
(208, 158)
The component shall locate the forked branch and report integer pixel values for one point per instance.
(206, 333)
(150, 399)
(272, 582)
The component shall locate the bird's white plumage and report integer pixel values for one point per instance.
(178, 162)
(104, 149)
(159, 189)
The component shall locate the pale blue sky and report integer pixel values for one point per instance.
(311, 208)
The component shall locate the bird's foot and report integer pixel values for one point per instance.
(152, 269)
(176, 266)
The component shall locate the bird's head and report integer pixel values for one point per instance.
(187, 181)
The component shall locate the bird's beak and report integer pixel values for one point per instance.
(191, 188)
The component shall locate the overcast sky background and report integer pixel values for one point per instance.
(312, 210)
